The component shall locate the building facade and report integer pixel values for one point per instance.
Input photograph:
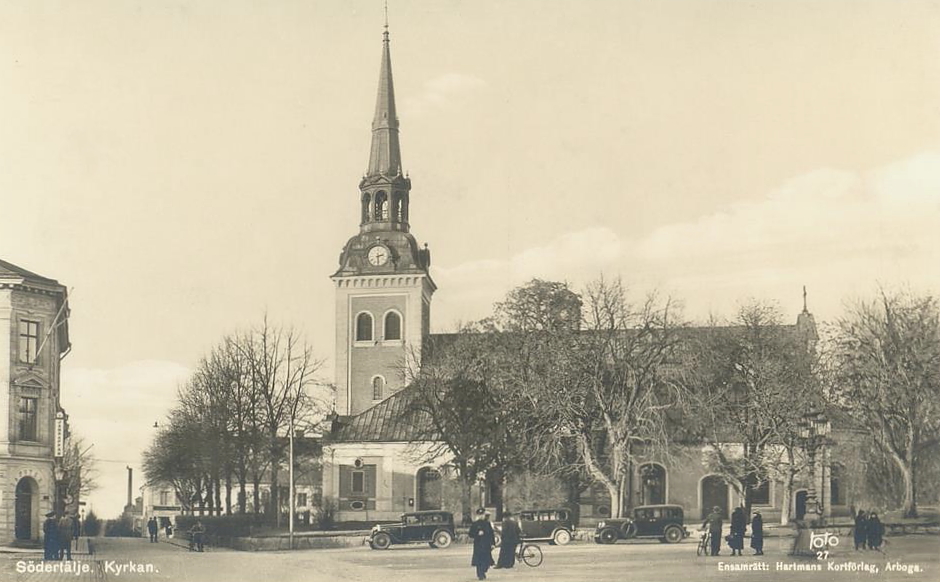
(33, 340)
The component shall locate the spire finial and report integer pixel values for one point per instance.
(805, 310)
(386, 20)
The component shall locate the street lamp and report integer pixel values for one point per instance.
(814, 430)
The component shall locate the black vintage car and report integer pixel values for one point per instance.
(662, 522)
(554, 525)
(435, 528)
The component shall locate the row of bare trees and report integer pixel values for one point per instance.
(230, 424)
(585, 387)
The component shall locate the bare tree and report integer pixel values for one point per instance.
(886, 370)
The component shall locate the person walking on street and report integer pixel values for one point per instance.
(714, 523)
(50, 537)
(875, 531)
(481, 531)
(65, 537)
(861, 530)
(511, 538)
(76, 529)
(152, 528)
(757, 534)
(738, 527)
(197, 533)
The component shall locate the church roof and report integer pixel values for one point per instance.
(388, 421)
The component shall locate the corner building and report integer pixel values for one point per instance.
(33, 339)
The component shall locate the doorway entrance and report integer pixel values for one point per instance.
(714, 493)
(26, 492)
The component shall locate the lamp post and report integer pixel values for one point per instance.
(814, 433)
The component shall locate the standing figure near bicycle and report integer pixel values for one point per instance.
(483, 541)
(757, 534)
(512, 535)
(714, 523)
(738, 527)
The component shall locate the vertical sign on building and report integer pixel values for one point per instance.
(59, 434)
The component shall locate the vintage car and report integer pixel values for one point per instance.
(554, 525)
(435, 528)
(662, 522)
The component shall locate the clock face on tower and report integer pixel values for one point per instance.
(378, 256)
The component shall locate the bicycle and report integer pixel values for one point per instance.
(530, 554)
(704, 548)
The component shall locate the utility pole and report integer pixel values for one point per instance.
(290, 522)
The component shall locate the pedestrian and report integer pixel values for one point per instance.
(152, 528)
(738, 527)
(481, 531)
(875, 531)
(197, 533)
(714, 524)
(861, 530)
(65, 537)
(757, 534)
(76, 529)
(50, 534)
(510, 539)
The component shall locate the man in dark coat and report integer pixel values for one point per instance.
(875, 531)
(481, 532)
(50, 535)
(738, 526)
(152, 528)
(861, 530)
(713, 523)
(511, 538)
(757, 534)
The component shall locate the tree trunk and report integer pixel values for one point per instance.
(275, 490)
(228, 493)
(242, 495)
(573, 496)
(907, 473)
(218, 495)
(465, 489)
(256, 492)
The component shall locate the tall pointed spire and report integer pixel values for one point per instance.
(385, 156)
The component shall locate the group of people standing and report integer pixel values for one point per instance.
(484, 540)
(714, 523)
(869, 531)
(58, 535)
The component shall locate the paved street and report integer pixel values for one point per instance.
(579, 561)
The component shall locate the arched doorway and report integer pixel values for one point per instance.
(652, 484)
(801, 504)
(714, 493)
(429, 489)
(27, 509)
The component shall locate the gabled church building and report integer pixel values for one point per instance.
(383, 287)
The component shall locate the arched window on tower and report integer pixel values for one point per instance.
(392, 326)
(378, 387)
(396, 206)
(381, 206)
(366, 202)
(364, 327)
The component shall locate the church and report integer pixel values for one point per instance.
(383, 291)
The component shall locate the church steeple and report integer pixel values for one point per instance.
(385, 156)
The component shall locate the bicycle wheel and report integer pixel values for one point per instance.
(702, 549)
(531, 555)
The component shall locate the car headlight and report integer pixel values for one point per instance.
(601, 524)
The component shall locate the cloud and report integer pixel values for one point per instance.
(115, 409)
(441, 93)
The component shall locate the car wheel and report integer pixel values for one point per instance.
(381, 541)
(561, 537)
(608, 536)
(442, 539)
(672, 535)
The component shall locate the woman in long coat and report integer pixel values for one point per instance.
(757, 534)
(738, 525)
(510, 539)
(483, 541)
(861, 530)
(876, 530)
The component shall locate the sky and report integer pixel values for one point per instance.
(186, 167)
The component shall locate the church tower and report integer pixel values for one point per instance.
(383, 287)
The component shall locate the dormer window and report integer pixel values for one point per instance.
(364, 327)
